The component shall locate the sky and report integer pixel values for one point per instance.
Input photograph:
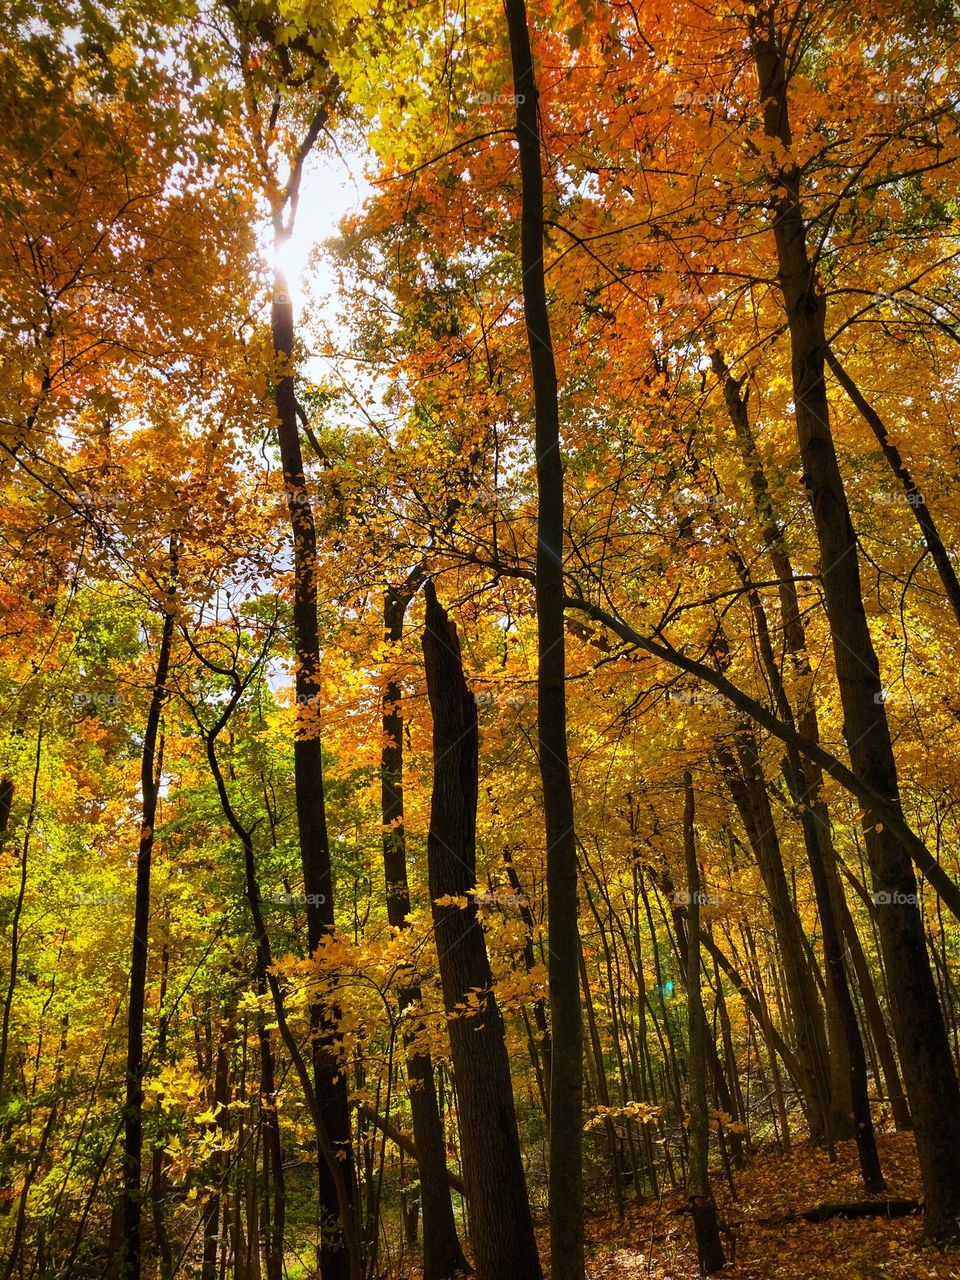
(333, 185)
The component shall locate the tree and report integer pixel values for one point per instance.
(703, 1208)
(150, 771)
(501, 1226)
(928, 1069)
(566, 1066)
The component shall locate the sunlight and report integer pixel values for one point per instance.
(333, 187)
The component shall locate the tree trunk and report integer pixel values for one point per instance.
(330, 1082)
(542, 1051)
(442, 1254)
(160, 1159)
(274, 1182)
(703, 1208)
(744, 778)
(327, 1150)
(804, 776)
(504, 1245)
(217, 1102)
(928, 1067)
(133, 1104)
(566, 1078)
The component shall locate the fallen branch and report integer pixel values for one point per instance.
(846, 1209)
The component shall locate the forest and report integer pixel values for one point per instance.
(479, 742)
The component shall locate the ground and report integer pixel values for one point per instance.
(655, 1239)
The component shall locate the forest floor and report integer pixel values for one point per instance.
(655, 1239)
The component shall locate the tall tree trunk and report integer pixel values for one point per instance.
(133, 1104)
(274, 1180)
(874, 1019)
(726, 1101)
(566, 1078)
(745, 780)
(803, 776)
(501, 1226)
(217, 1102)
(158, 1173)
(6, 805)
(928, 1067)
(442, 1254)
(6, 799)
(847, 1051)
(703, 1208)
(543, 1052)
(264, 967)
(330, 1082)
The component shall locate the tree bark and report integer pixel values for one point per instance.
(158, 1173)
(274, 1181)
(442, 1254)
(327, 1149)
(330, 1082)
(566, 1078)
(504, 1245)
(133, 1104)
(928, 1067)
(703, 1208)
(803, 776)
(747, 787)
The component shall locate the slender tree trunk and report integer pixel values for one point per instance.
(211, 1214)
(745, 781)
(274, 1188)
(847, 1050)
(158, 1174)
(566, 1079)
(405, 1143)
(6, 805)
(703, 1208)
(542, 1047)
(442, 1254)
(327, 1149)
(7, 801)
(602, 1089)
(504, 1245)
(928, 1067)
(874, 1018)
(330, 1082)
(133, 1106)
(725, 1098)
